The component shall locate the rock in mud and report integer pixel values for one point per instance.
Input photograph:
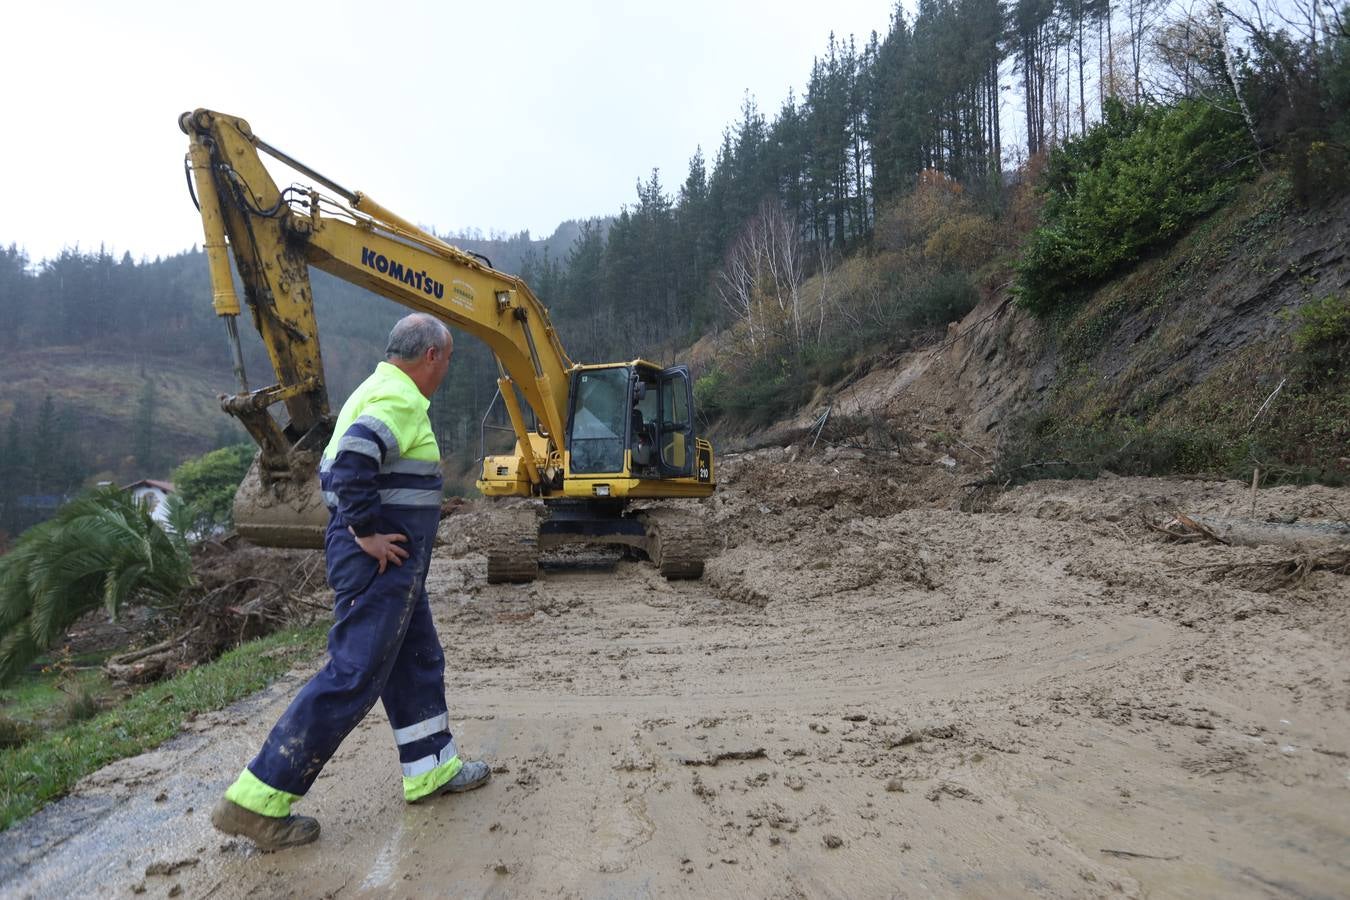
(169, 868)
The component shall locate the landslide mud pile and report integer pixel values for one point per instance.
(797, 524)
(884, 685)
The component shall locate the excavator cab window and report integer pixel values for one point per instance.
(599, 420)
(675, 434)
(643, 421)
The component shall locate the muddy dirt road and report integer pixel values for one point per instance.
(871, 693)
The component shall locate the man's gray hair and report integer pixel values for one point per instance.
(414, 335)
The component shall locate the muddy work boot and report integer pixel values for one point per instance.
(471, 775)
(268, 832)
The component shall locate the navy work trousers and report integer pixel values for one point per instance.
(383, 645)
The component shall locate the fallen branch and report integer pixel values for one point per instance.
(713, 759)
(1270, 574)
(1005, 475)
(1130, 854)
(1278, 388)
(1183, 528)
(135, 655)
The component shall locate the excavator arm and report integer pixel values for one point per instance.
(275, 235)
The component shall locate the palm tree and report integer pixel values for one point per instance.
(101, 549)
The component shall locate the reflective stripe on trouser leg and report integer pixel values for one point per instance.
(425, 775)
(424, 728)
(255, 796)
(372, 616)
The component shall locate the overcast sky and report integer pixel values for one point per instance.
(495, 115)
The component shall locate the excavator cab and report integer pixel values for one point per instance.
(631, 421)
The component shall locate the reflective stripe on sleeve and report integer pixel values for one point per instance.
(428, 763)
(363, 446)
(391, 448)
(410, 497)
(425, 728)
(396, 497)
(413, 467)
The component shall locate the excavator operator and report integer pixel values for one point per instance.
(382, 482)
(642, 426)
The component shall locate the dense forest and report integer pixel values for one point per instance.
(863, 215)
(153, 315)
(874, 207)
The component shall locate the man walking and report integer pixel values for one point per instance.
(382, 482)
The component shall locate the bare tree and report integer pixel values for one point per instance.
(761, 281)
(1141, 15)
(1231, 70)
(736, 289)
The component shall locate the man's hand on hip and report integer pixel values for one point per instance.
(383, 547)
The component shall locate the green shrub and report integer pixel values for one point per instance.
(1045, 447)
(207, 483)
(761, 390)
(943, 298)
(1132, 182)
(967, 242)
(80, 704)
(1322, 338)
(15, 733)
(708, 393)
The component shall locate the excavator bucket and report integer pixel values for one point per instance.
(284, 513)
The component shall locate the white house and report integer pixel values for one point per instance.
(153, 494)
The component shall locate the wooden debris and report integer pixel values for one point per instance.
(713, 759)
(1182, 527)
(224, 616)
(1285, 571)
(1130, 854)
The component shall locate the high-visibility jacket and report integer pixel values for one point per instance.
(383, 454)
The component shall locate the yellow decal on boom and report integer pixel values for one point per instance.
(461, 294)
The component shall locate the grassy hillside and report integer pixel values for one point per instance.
(101, 391)
(1169, 367)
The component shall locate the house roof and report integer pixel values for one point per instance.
(165, 486)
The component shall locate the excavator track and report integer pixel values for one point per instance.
(513, 546)
(677, 542)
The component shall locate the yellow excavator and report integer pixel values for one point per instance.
(598, 436)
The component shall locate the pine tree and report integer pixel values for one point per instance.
(14, 476)
(143, 433)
